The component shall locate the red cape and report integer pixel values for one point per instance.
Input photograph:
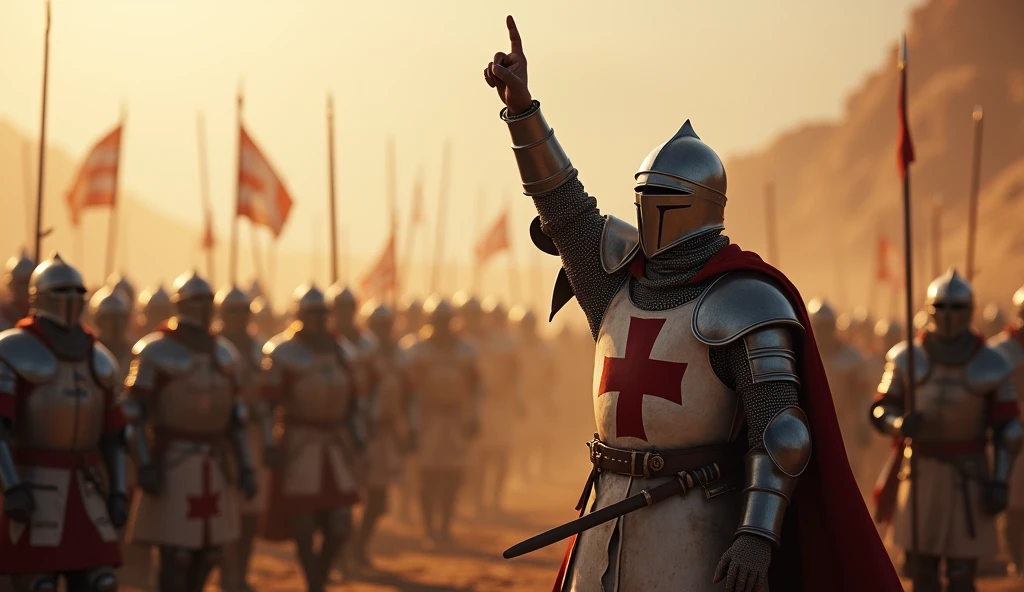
(829, 543)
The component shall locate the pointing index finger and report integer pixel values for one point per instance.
(513, 35)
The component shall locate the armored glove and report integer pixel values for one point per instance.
(744, 567)
(995, 497)
(151, 479)
(117, 508)
(271, 456)
(910, 424)
(247, 483)
(19, 503)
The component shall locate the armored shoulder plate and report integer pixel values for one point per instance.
(738, 303)
(899, 357)
(285, 351)
(987, 370)
(29, 357)
(166, 354)
(227, 357)
(104, 366)
(1008, 345)
(619, 242)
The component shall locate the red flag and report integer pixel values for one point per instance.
(96, 183)
(494, 241)
(905, 147)
(383, 276)
(883, 274)
(209, 240)
(262, 196)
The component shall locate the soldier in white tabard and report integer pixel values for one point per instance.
(446, 382)
(1010, 343)
(235, 325)
(62, 457)
(390, 422)
(965, 403)
(183, 389)
(309, 376)
(538, 379)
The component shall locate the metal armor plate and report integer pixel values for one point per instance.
(987, 370)
(619, 242)
(200, 400)
(322, 393)
(30, 359)
(445, 378)
(952, 410)
(737, 303)
(66, 413)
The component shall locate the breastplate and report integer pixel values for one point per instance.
(497, 363)
(443, 380)
(951, 411)
(66, 413)
(321, 394)
(653, 382)
(388, 395)
(200, 400)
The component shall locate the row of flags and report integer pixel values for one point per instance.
(264, 199)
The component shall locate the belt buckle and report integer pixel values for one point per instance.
(653, 462)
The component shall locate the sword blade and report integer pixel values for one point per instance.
(588, 521)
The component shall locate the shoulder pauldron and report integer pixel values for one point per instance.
(619, 243)
(29, 357)
(738, 303)
(166, 354)
(986, 370)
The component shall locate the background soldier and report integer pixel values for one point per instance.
(537, 383)
(1010, 343)
(183, 384)
(235, 316)
(391, 424)
(122, 286)
(963, 392)
(109, 316)
(154, 308)
(308, 374)
(851, 388)
(447, 389)
(16, 279)
(410, 318)
(61, 422)
(501, 405)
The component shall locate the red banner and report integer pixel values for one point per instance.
(262, 196)
(494, 241)
(96, 183)
(382, 279)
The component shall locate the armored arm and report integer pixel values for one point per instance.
(239, 437)
(568, 215)
(141, 384)
(113, 445)
(8, 387)
(888, 411)
(1007, 432)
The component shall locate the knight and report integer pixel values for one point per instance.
(411, 316)
(308, 375)
(501, 405)
(537, 384)
(343, 308)
(234, 324)
(110, 314)
(120, 284)
(154, 307)
(1010, 343)
(391, 424)
(964, 402)
(16, 280)
(845, 367)
(183, 389)
(447, 390)
(62, 453)
(707, 382)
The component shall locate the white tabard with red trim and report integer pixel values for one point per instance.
(654, 388)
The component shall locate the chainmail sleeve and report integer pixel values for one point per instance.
(761, 401)
(571, 218)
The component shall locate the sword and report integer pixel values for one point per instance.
(682, 483)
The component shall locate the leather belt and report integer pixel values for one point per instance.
(657, 463)
(947, 449)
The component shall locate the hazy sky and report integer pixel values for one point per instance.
(616, 78)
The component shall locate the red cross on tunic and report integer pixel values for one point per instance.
(206, 505)
(636, 375)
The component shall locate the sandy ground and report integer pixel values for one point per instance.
(403, 563)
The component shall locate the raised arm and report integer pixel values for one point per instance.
(568, 215)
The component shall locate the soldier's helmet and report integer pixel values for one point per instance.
(57, 292)
(192, 300)
(234, 307)
(680, 192)
(17, 275)
(887, 335)
(439, 312)
(524, 319)
(950, 304)
(495, 311)
(154, 306)
(823, 318)
(122, 285)
(1018, 304)
(412, 315)
(468, 308)
(381, 320)
(109, 311)
(342, 302)
(310, 307)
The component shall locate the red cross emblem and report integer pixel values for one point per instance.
(206, 505)
(636, 375)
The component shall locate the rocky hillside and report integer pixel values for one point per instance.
(836, 183)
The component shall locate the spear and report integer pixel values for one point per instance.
(442, 204)
(233, 261)
(937, 235)
(204, 190)
(332, 196)
(42, 141)
(972, 213)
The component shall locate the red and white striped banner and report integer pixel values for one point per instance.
(494, 241)
(96, 183)
(262, 196)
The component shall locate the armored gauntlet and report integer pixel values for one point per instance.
(543, 165)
